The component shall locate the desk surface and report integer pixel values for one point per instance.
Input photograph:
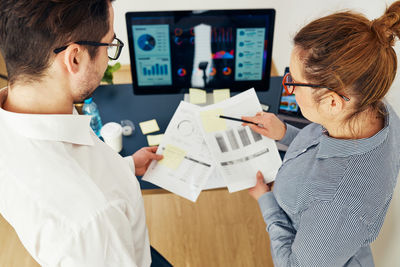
(117, 102)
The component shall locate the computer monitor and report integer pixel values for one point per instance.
(171, 51)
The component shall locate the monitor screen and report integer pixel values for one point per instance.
(175, 50)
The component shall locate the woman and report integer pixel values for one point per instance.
(333, 189)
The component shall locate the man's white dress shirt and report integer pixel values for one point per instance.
(72, 200)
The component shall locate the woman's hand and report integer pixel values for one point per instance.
(260, 188)
(143, 158)
(272, 127)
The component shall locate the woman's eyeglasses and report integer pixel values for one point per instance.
(114, 49)
(289, 84)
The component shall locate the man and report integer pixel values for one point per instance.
(71, 199)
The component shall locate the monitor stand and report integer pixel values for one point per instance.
(209, 99)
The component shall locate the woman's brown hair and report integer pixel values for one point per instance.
(31, 29)
(352, 55)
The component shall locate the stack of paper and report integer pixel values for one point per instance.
(197, 143)
(186, 165)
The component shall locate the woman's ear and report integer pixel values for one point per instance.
(332, 105)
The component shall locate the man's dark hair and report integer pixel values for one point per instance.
(31, 29)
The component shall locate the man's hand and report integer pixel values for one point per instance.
(143, 158)
(260, 188)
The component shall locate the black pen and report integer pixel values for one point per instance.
(236, 119)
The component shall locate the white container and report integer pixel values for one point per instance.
(112, 135)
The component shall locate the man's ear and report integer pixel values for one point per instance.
(74, 58)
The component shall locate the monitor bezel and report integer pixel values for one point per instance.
(144, 90)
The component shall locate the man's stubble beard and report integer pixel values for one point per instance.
(88, 85)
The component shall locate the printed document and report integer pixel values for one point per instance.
(237, 151)
(187, 163)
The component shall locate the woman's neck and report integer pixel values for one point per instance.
(365, 125)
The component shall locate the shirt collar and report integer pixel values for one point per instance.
(332, 147)
(70, 128)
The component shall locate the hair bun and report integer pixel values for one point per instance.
(387, 27)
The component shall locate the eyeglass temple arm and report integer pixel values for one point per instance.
(306, 84)
(318, 86)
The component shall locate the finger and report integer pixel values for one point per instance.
(247, 124)
(151, 148)
(252, 119)
(260, 177)
(154, 149)
(154, 156)
(258, 129)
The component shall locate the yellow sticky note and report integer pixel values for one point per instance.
(155, 139)
(197, 96)
(211, 121)
(173, 157)
(221, 95)
(150, 126)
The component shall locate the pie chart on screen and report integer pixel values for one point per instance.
(181, 72)
(227, 71)
(146, 42)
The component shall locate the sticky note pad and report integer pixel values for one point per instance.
(211, 121)
(155, 139)
(221, 94)
(197, 96)
(150, 126)
(173, 157)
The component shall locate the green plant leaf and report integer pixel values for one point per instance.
(108, 74)
(116, 67)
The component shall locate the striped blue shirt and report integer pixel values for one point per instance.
(331, 196)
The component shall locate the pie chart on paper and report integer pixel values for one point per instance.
(185, 128)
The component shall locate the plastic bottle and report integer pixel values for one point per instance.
(90, 108)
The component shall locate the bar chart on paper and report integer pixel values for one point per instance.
(234, 139)
(238, 151)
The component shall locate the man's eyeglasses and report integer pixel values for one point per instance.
(114, 49)
(289, 84)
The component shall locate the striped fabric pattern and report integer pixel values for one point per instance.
(331, 196)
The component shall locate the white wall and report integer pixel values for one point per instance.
(291, 15)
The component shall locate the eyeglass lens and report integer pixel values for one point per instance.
(113, 50)
(289, 79)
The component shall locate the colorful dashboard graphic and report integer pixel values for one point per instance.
(180, 38)
(153, 56)
(241, 55)
(165, 55)
(182, 72)
(250, 44)
(224, 55)
(146, 42)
